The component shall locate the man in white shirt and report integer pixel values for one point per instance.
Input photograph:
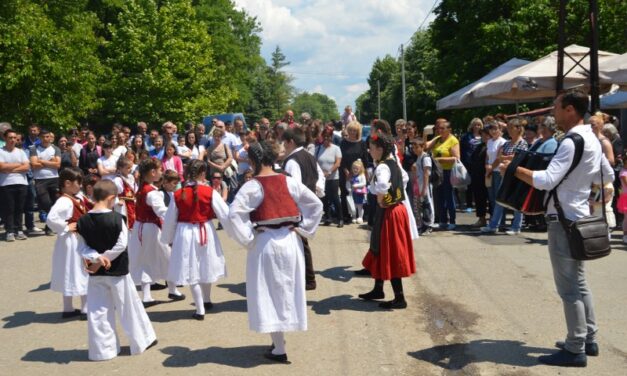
(45, 161)
(228, 139)
(573, 196)
(13, 185)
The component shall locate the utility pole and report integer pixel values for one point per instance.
(403, 82)
(379, 98)
(594, 57)
(561, 43)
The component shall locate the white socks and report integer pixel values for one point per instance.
(360, 211)
(278, 339)
(84, 304)
(172, 289)
(197, 295)
(146, 292)
(67, 304)
(206, 292)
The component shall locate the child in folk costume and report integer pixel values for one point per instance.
(111, 288)
(267, 215)
(197, 259)
(391, 254)
(125, 182)
(170, 182)
(68, 270)
(358, 189)
(149, 257)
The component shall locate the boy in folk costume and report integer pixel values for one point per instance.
(267, 215)
(197, 259)
(68, 270)
(170, 182)
(125, 183)
(149, 257)
(110, 287)
(391, 254)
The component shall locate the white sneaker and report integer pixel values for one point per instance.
(354, 220)
(35, 231)
(360, 221)
(513, 232)
(10, 237)
(21, 236)
(488, 230)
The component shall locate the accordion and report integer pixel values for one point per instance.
(518, 195)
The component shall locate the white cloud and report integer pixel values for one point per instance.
(317, 89)
(332, 44)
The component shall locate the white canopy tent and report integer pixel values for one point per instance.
(537, 80)
(614, 70)
(465, 98)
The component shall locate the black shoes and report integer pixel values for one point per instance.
(372, 295)
(199, 317)
(592, 349)
(341, 224)
(394, 304)
(150, 304)
(281, 358)
(74, 313)
(310, 285)
(208, 305)
(176, 297)
(364, 272)
(564, 358)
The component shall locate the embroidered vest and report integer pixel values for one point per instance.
(278, 206)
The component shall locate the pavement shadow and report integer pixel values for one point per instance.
(456, 356)
(229, 306)
(239, 357)
(343, 303)
(50, 355)
(23, 318)
(543, 242)
(338, 273)
(235, 288)
(42, 287)
(169, 316)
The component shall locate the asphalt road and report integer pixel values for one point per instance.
(478, 305)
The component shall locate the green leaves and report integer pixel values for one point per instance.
(319, 106)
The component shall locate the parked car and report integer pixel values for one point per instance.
(365, 132)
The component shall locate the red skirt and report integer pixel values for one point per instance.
(396, 253)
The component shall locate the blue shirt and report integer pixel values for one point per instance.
(548, 147)
(157, 154)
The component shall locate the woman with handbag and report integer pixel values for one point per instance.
(445, 150)
(219, 155)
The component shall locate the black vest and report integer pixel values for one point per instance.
(101, 232)
(308, 170)
(166, 197)
(396, 192)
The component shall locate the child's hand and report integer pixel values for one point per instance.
(71, 227)
(92, 267)
(106, 263)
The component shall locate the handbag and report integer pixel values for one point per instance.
(459, 175)
(232, 169)
(588, 236)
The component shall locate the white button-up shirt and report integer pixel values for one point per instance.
(573, 193)
(293, 168)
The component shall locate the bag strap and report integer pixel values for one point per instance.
(579, 145)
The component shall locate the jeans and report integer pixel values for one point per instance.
(492, 192)
(47, 191)
(498, 215)
(570, 281)
(13, 198)
(332, 197)
(445, 199)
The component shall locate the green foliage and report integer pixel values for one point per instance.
(281, 88)
(467, 39)
(319, 106)
(49, 68)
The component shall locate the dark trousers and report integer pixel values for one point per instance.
(30, 204)
(445, 199)
(47, 191)
(332, 197)
(343, 195)
(480, 195)
(310, 275)
(371, 207)
(13, 198)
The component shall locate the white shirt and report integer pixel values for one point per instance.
(108, 163)
(120, 151)
(574, 192)
(76, 148)
(493, 147)
(16, 155)
(292, 168)
(46, 154)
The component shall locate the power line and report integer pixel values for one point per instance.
(435, 3)
(325, 74)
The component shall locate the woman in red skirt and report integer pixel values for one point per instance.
(391, 254)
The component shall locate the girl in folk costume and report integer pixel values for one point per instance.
(391, 254)
(69, 276)
(267, 215)
(197, 259)
(148, 256)
(125, 182)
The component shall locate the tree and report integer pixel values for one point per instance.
(49, 67)
(280, 83)
(319, 106)
(161, 66)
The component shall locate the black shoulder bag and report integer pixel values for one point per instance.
(588, 237)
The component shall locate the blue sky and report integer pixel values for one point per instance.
(332, 44)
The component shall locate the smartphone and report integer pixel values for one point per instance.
(428, 130)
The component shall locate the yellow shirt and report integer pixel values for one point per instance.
(443, 149)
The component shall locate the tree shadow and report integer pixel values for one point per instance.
(239, 357)
(458, 355)
(50, 355)
(235, 288)
(23, 318)
(42, 287)
(338, 273)
(343, 303)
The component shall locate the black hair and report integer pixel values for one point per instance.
(384, 141)
(381, 125)
(145, 167)
(576, 98)
(70, 174)
(107, 144)
(103, 189)
(193, 170)
(295, 134)
(263, 153)
(6, 133)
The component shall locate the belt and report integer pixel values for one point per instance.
(552, 218)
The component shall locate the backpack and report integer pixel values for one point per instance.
(437, 175)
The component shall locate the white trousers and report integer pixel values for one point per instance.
(105, 296)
